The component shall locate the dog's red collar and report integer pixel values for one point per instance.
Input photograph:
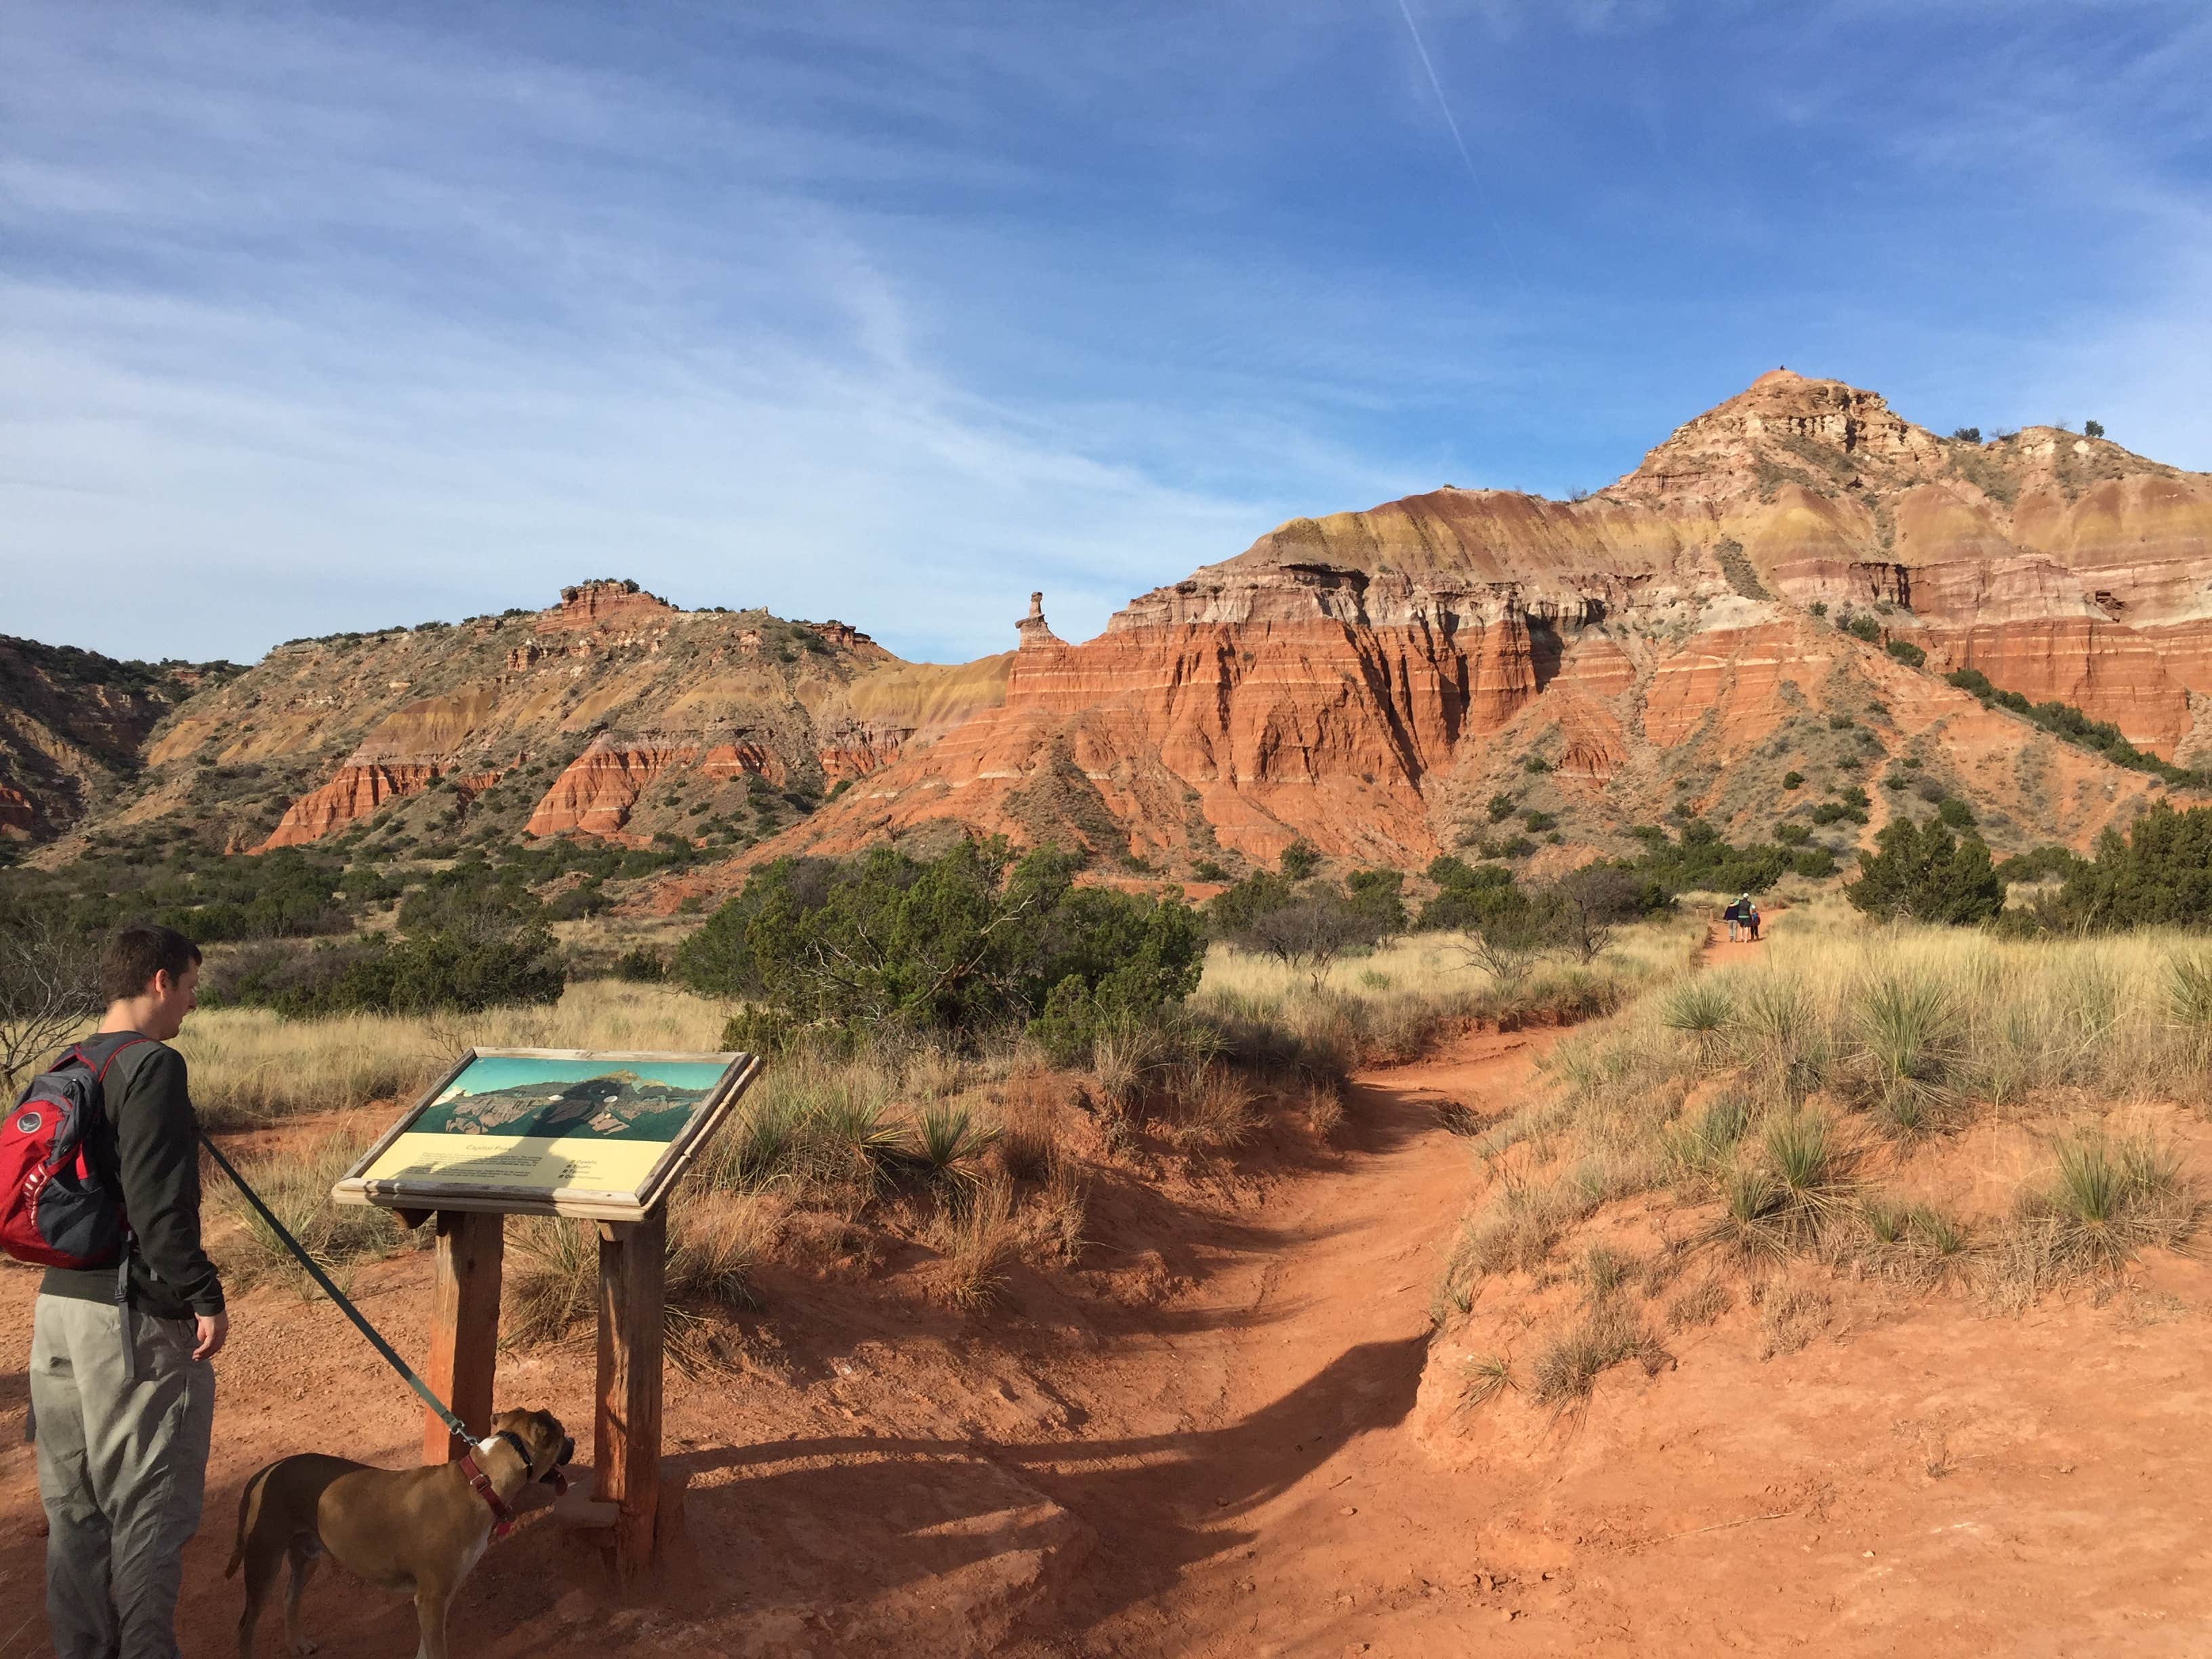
(502, 1516)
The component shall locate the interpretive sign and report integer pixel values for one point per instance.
(550, 1132)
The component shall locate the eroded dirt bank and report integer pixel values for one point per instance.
(1262, 1454)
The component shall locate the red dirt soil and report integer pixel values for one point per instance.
(1263, 1455)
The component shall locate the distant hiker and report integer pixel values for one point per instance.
(1751, 915)
(122, 1394)
(1744, 912)
(1734, 917)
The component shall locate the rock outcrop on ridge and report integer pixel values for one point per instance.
(612, 714)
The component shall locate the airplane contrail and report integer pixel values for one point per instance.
(1443, 103)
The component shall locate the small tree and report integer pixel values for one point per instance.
(1382, 894)
(49, 991)
(1589, 904)
(1966, 434)
(2092, 428)
(1311, 931)
(1929, 874)
(1507, 944)
(1299, 861)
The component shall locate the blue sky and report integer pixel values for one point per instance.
(316, 317)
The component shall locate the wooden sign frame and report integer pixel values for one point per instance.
(420, 1196)
(470, 1256)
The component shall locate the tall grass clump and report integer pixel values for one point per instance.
(976, 1234)
(1608, 1330)
(1792, 1195)
(2106, 1199)
(1906, 1032)
(296, 1186)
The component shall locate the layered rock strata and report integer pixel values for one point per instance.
(1365, 681)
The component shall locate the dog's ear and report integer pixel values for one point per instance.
(548, 1432)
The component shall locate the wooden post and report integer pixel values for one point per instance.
(464, 1327)
(626, 1438)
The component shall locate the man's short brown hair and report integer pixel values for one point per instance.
(135, 953)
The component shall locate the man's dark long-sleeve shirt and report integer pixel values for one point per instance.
(154, 1163)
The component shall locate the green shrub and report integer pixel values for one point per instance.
(1703, 860)
(1955, 812)
(1299, 861)
(2159, 873)
(2070, 725)
(1792, 780)
(1907, 653)
(2042, 864)
(1380, 895)
(967, 941)
(1927, 874)
(1863, 627)
(464, 968)
(1468, 894)
(640, 966)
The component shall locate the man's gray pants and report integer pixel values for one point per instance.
(122, 1464)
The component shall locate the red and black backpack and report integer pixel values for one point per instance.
(56, 1209)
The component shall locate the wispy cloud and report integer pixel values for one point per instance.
(313, 318)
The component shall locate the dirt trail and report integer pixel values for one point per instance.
(1271, 1496)
(1269, 1456)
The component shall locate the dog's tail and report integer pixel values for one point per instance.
(249, 1512)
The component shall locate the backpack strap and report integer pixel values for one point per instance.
(100, 1071)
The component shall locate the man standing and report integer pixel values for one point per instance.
(122, 1394)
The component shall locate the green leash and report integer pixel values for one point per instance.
(338, 1298)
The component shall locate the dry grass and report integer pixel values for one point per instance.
(1212, 1109)
(1392, 1005)
(1768, 1087)
(550, 1281)
(1699, 1305)
(976, 1234)
(296, 1186)
(1791, 1315)
(1322, 1102)
(250, 1068)
(1609, 1332)
(716, 1243)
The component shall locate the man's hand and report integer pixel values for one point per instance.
(214, 1331)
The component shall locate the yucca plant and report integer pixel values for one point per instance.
(2189, 1005)
(1697, 1149)
(949, 1142)
(1779, 1034)
(1488, 1376)
(1702, 1009)
(859, 1129)
(2105, 1201)
(551, 1279)
(1909, 1030)
(761, 1147)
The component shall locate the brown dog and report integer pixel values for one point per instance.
(412, 1530)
